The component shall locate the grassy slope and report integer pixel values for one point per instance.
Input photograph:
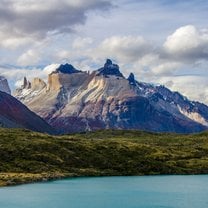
(27, 156)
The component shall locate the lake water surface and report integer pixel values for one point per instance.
(111, 192)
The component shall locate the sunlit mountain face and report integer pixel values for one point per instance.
(74, 101)
(162, 42)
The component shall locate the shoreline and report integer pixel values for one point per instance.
(42, 178)
(28, 157)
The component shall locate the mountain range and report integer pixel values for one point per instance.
(14, 114)
(73, 100)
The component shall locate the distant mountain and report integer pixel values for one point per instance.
(73, 101)
(4, 86)
(13, 114)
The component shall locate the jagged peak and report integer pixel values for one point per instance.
(4, 86)
(131, 79)
(66, 69)
(110, 69)
(24, 81)
(108, 62)
(26, 84)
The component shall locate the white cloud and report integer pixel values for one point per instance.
(13, 42)
(124, 48)
(62, 55)
(30, 57)
(187, 47)
(81, 43)
(183, 39)
(187, 44)
(193, 86)
(50, 68)
(165, 68)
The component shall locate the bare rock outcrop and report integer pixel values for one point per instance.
(37, 84)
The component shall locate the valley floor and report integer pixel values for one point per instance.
(27, 156)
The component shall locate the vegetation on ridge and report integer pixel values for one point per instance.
(27, 156)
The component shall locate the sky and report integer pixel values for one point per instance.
(160, 41)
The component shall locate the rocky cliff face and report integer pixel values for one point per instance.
(73, 101)
(4, 86)
(13, 114)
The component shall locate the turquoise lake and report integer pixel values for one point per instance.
(110, 192)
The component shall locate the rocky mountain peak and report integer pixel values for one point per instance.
(66, 69)
(26, 84)
(36, 84)
(4, 86)
(131, 79)
(110, 69)
(108, 63)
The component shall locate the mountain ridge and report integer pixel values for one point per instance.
(105, 99)
(13, 114)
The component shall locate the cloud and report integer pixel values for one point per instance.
(165, 68)
(30, 57)
(80, 43)
(186, 48)
(21, 21)
(124, 48)
(187, 44)
(11, 42)
(50, 68)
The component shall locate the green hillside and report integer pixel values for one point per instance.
(27, 156)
